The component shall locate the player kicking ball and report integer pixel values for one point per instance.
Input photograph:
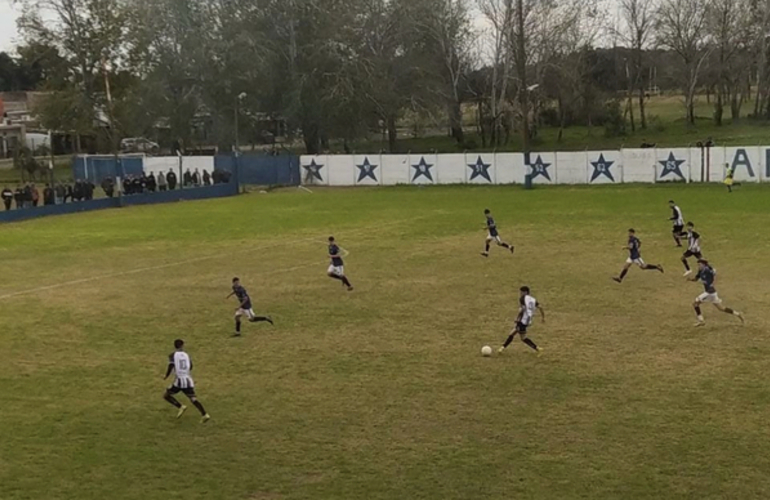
(708, 275)
(337, 267)
(180, 363)
(527, 307)
(635, 257)
(493, 235)
(245, 308)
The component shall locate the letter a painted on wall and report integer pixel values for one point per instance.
(742, 159)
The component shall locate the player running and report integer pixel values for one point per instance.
(493, 235)
(337, 268)
(708, 275)
(527, 307)
(635, 257)
(693, 248)
(678, 219)
(244, 307)
(180, 362)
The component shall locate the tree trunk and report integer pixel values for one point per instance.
(392, 134)
(311, 137)
(718, 109)
(642, 115)
(521, 69)
(456, 122)
(562, 119)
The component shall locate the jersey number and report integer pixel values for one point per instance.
(182, 364)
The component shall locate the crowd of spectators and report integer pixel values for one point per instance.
(29, 195)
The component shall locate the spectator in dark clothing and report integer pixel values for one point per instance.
(77, 191)
(137, 185)
(18, 196)
(89, 190)
(61, 193)
(172, 180)
(108, 186)
(187, 178)
(152, 183)
(206, 178)
(196, 178)
(27, 196)
(162, 185)
(7, 198)
(35, 195)
(70, 194)
(48, 195)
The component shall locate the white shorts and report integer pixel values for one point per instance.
(249, 313)
(336, 270)
(639, 262)
(709, 298)
(494, 238)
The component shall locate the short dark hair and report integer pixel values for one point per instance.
(672, 202)
(691, 224)
(178, 343)
(487, 211)
(703, 261)
(524, 289)
(331, 238)
(632, 231)
(236, 279)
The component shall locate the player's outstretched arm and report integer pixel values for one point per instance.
(542, 312)
(231, 294)
(169, 370)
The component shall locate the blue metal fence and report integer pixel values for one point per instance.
(97, 168)
(262, 169)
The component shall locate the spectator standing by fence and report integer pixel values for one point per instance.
(187, 178)
(35, 195)
(206, 178)
(108, 185)
(162, 186)
(196, 178)
(18, 195)
(172, 180)
(60, 193)
(7, 198)
(48, 195)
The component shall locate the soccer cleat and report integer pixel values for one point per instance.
(660, 268)
(350, 289)
(687, 273)
(700, 323)
(740, 317)
(269, 320)
(181, 411)
(236, 335)
(484, 254)
(539, 352)
(205, 418)
(511, 249)
(617, 280)
(501, 350)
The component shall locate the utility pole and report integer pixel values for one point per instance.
(521, 69)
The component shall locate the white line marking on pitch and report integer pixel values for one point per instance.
(189, 261)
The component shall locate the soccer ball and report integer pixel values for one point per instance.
(486, 351)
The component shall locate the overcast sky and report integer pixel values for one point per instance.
(8, 15)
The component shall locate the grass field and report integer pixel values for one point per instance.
(382, 393)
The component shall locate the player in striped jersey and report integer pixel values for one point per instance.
(180, 363)
(708, 276)
(493, 235)
(527, 307)
(678, 219)
(693, 248)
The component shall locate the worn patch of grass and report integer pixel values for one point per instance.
(382, 393)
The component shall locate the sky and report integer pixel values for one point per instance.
(8, 15)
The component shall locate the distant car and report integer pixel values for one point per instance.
(139, 145)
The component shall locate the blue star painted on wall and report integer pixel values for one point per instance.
(602, 167)
(314, 170)
(540, 168)
(422, 169)
(366, 169)
(480, 169)
(671, 166)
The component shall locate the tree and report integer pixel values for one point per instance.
(681, 27)
(637, 17)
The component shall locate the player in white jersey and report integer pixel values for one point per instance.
(678, 220)
(527, 307)
(180, 363)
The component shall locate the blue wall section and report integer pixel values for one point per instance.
(262, 169)
(217, 191)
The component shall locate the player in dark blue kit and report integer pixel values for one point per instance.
(245, 308)
(708, 276)
(635, 257)
(493, 235)
(337, 267)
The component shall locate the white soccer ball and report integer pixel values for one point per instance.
(486, 351)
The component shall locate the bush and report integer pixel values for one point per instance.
(614, 123)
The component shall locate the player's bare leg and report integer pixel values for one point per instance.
(698, 313)
(650, 267)
(687, 270)
(173, 402)
(623, 273)
(237, 325)
(485, 253)
(728, 310)
(677, 237)
(343, 279)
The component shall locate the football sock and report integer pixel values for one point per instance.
(729, 311)
(257, 319)
(505, 245)
(200, 407)
(697, 311)
(530, 344)
(508, 341)
(686, 264)
(345, 281)
(487, 248)
(238, 325)
(649, 267)
(172, 400)
(335, 277)
(623, 274)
